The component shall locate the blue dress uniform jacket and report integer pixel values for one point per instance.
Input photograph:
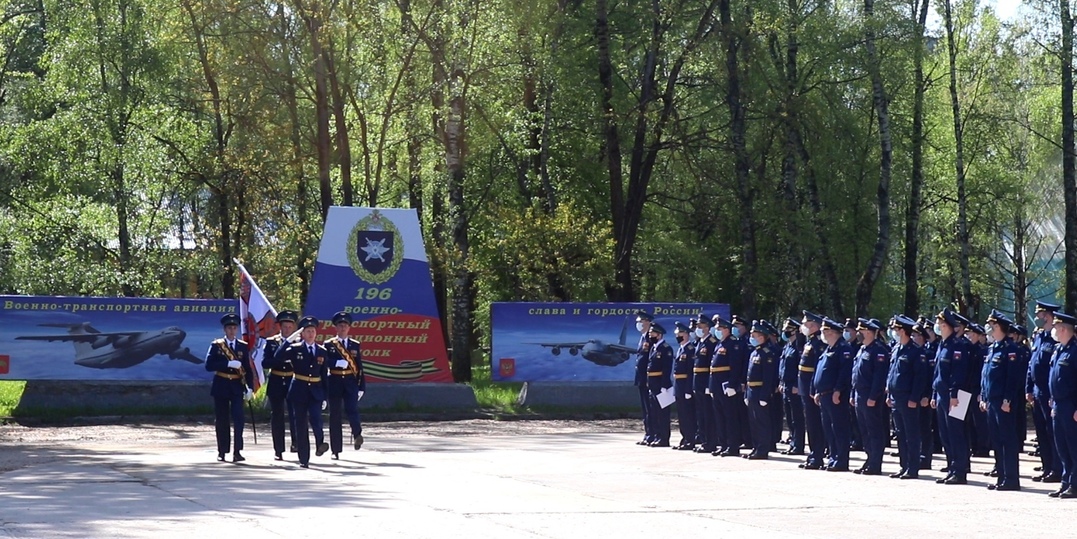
(813, 421)
(834, 371)
(706, 422)
(834, 375)
(809, 362)
(683, 364)
(909, 374)
(1039, 365)
(1002, 374)
(342, 388)
(644, 351)
(1063, 374)
(350, 351)
(869, 371)
(701, 367)
(951, 367)
(659, 367)
(277, 379)
(307, 390)
(762, 382)
(1063, 384)
(788, 367)
(228, 382)
(762, 376)
(727, 366)
(640, 381)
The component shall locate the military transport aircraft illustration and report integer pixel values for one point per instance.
(119, 349)
(594, 350)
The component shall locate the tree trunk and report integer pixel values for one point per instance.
(415, 144)
(912, 211)
(1069, 157)
(1020, 269)
(344, 152)
(622, 289)
(959, 164)
(738, 129)
(866, 285)
(321, 106)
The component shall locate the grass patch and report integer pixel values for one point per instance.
(10, 395)
(497, 396)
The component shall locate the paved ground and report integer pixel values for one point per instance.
(474, 479)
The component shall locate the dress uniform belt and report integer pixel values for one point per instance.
(680, 376)
(755, 384)
(701, 369)
(341, 372)
(286, 374)
(228, 376)
(311, 379)
(806, 369)
(721, 369)
(654, 373)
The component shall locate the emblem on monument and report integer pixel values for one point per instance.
(375, 248)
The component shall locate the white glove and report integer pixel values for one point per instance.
(248, 395)
(325, 404)
(233, 364)
(707, 391)
(342, 364)
(746, 403)
(729, 392)
(687, 396)
(360, 395)
(762, 403)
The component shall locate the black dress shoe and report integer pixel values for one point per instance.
(1068, 493)
(909, 476)
(322, 448)
(837, 468)
(220, 457)
(956, 481)
(895, 454)
(896, 475)
(757, 456)
(1052, 478)
(1038, 469)
(641, 442)
(942, 480)
(992, 473)
(357, 440)
(732, 453)
(685, 448)
(1037, 478)
(871, 472)
(336, 456)
(236, 457)
(304, 465)
(1008, 488)
(858, 471)
(1056, 493)
(278, 456)
(659, 444)
(945, 469)
(813, 466)
(795, 452)
(992, 487)
(293, 449)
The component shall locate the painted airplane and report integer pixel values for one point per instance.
(596, 351)
(119, 349)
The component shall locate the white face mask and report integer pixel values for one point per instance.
(1054, 334)
(639, 327)
(847, 335)
(699, 333)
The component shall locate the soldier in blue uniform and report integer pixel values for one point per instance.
(307, 391)
(1063, 385)
(706, 423)
(345, 385)
(813, 422)
(643, 325)
(789, 371)
(833, 380)
(232, 381)
(951, 371)
(277, 382)
(725, 372)
(659, 369)
(762, 382)
(930, 438)
(682, 386)
(980, 442)
(1024, 354)
(1000, 394)
(1038, 392)
(775, 398)
(870, 367)
(740, 329)
(908, 375)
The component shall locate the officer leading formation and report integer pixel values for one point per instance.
(303, 378)
(946, 383)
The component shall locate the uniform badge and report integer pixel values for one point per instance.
(1013, 357)
(721, 351)
(957, 355)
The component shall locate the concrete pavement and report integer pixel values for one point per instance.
(574, 484)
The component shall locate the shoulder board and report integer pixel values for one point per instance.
(239, 341)
(218, 341)
(275, 338)
(711, 339)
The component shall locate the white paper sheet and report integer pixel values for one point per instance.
(962, 408)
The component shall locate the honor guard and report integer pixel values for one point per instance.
(659, 369)
(643, 326)
(762, 382)
(232, 381)
(870, 367)
(951, 370)
(833, 380)
(682, 386)
(1063, 386)
(908, 374)
(1038, 392)
(346, 384)
(789, 370)
(277, 382)
(307, 391)
(725, 373)
(810, 327)
(1000, 394)
(706, 423)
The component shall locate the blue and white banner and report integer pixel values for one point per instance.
(84, 338)
(577, 341)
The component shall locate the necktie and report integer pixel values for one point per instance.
(311, 348)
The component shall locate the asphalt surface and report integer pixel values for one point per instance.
(570, 479)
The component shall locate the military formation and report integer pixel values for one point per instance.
(303, 378)
(945, 383)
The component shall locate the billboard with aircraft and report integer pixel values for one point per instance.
(84, 338)
(594, 342)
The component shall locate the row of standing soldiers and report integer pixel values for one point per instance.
(735, 381)
(303, 377)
